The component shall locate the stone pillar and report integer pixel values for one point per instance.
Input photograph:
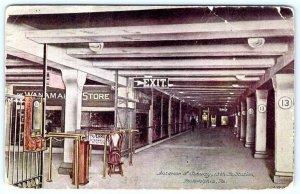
(284, 127)
(261, 124)
(180, 116)
(243, 121)
(150, 121)
(235, 123)
(250, 126)
(161, 116)
(170, 116)
(74, 81)
(238, 127)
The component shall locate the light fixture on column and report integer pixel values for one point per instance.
(96, 46)
(256, 42)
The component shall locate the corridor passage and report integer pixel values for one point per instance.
(205, 159)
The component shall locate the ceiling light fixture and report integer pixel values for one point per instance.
(240, 76)
(256, 42)
(96, 46)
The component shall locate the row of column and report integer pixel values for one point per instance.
(150, 118)
(251, 125)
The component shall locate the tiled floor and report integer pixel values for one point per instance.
(204, 159)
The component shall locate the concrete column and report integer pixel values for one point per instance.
(208, 118)
(261, 124)
(74, 81)
(161, 116)
(284, 127)
(200, 117)
(243, 121)
(250, 126)
(170, 116)
(180, 116)
(235, 123)
(150, 121)
(238, 127)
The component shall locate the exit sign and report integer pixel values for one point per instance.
(151, 82)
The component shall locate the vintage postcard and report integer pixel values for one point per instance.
(149, 97)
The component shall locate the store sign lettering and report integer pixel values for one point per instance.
(95, 96)
(141, 82)
(48, 95)
(92, 96)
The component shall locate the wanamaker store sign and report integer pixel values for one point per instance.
(92, 96)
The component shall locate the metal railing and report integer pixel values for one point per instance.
(23, 169)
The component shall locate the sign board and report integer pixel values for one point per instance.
(223, 109)
(96, 139)
(92, 96)
(151, 82)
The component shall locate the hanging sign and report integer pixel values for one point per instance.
(151, 82)
(223, 109)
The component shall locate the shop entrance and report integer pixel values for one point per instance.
(142, 125)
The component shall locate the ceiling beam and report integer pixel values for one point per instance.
(267, 49)
(24, 79)
(204, 89)
(195, 31)
(17, 45)
(11, 63)
(71, 9)
(282, 62)
(187, 63)
(192, 85)
(205, 79)
(189, 73)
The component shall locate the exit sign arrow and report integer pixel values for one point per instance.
(142, 82)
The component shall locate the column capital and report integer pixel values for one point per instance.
(72, 77)
(283, 81)
(261, 94)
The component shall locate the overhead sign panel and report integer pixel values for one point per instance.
(151, 82)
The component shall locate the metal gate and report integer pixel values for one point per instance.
(24, 168)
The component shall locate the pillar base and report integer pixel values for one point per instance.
(260, 155)
(65, 168)
(283, 177)
(249, 144)
(242, 139)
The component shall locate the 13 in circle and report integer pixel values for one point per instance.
(285, 102)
